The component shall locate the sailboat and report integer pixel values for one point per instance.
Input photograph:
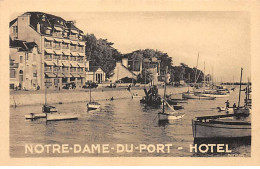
(168, 115)
(92, 105)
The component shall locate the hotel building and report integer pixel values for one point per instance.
(60, 45)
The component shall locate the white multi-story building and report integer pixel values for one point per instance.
(60, 45)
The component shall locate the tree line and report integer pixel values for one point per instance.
(100, 52)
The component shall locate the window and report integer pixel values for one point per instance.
(48, 44)
(73, 47)
(81, 48)
(15, 29)
(12, 73)
(65, 45)
(21, 59)
(57, 45)
(65, 69)
(34, 70)
(47, 56)
(65, 57)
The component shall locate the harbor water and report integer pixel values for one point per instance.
(121, 121)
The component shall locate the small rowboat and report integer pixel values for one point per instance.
(33, 116)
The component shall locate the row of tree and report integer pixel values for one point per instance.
(101, 52)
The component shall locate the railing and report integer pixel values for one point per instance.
(65, 58)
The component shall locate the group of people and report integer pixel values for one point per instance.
(227, 105)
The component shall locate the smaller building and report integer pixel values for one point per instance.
(95, 74)
(121, 71)
(25, 65)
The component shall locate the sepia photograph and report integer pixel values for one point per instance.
(129, 83)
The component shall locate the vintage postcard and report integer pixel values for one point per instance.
(150, 82)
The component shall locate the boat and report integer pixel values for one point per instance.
(91, 105)
(215, 94)
(232, 125)
(135, 96)
(168, 115)
(151, 97)
(33, 116)
(61, 116)
(189, 95)
(221, 126)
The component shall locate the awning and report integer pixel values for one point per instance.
(66, 53)
(58, 52)
(81, 64)
(74, 54)
(75, 75)
(66, 41)
(58, 28)
(49, 63)
(49, 38)
(50, 75)
(74, 42)
(73, 64)
(49, 51)
(74, 31)
(65, 64)
(82, 43)
(66, 74)
(81, 54)
(59, 74)
(48, 27)
(82, 34)
(58, 40)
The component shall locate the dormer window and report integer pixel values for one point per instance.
(48, 30)
(44, 18)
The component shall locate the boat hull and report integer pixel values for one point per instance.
(169, 117)
(220, 130)
(35, 116)
(93, 106)
(60, 116)
(215, 95)
(191, 96)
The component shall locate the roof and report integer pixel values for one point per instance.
(94, 68)
(48, 21)
(22, 45)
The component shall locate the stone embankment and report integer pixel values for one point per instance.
(26, 99)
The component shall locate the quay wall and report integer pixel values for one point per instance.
(82, 96)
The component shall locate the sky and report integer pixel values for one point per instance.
(221, 39)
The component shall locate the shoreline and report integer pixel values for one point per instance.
(73, 96)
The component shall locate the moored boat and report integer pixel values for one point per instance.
(33, 116)
(61, 116)
(193, 96)
(93, 106)
(221, 126)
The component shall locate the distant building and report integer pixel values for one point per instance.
(95, 74)
(61, 47)
(25, 65)
(121, 71)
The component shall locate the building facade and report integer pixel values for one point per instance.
(25, 65)
(60, 44)
(95, 74)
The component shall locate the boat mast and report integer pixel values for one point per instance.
(164, 94)
(240, 88)
(204, 75)
(90, 95)
(45, 94)
(196, 68)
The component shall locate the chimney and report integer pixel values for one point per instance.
(38, 27)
